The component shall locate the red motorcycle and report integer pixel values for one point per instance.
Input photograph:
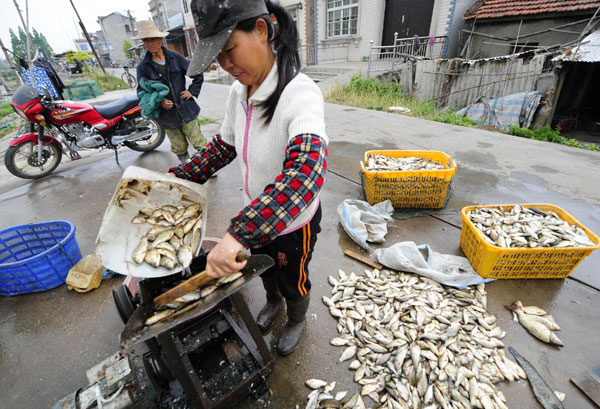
(67, 127)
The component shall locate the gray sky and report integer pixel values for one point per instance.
(57, 20)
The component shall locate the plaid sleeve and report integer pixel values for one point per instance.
(282, 201)
(206, 161)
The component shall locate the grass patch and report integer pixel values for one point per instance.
(548, 134)
(106, 82)
(206, 121)
(373, 94)
(6, 109)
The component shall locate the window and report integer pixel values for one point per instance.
(342, 17)
(185, 7)
(83, 47)
(293, 12)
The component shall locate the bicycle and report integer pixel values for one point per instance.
(128, 78)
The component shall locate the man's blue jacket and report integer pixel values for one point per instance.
(177, 66)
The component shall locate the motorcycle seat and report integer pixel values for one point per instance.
(116, 108)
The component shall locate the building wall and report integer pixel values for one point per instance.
(370, 27)
(299, 7)
(115, 32)
(484, 47)
(456, 23)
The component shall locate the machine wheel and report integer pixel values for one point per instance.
(124, 302)
(22, 161)
(156, 135)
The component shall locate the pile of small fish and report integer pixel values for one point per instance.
(538, 322)
(174, 237)
(180, 303)
(378, 163)
(522, 227)
(414, 343)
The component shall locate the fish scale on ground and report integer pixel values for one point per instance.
(413, 343)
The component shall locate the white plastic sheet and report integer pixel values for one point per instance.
(447, 269)
(139, 188)
(363, 222)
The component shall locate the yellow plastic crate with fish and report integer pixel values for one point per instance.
(409, 189)
(535, 246)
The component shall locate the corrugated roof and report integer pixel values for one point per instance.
(587, 51)
(490, 9)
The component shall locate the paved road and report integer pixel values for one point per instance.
(49, 340)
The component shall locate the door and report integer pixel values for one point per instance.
(407, 18)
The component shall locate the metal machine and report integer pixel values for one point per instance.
(205, 355)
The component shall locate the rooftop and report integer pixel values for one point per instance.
(490, 9)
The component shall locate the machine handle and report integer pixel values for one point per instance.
(189, 285)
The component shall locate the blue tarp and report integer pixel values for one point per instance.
(516, 109)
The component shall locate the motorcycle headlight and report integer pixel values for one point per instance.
(20, 113)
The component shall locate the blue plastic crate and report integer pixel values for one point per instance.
(36, 257)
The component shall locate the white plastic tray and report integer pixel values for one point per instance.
(139, 188)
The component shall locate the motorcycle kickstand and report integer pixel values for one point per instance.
(117, 156)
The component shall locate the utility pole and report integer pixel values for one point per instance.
(87, 37)
(26, 27)
(11, 63)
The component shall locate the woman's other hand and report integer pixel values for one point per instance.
(221, 260)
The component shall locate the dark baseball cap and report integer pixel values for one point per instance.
(215, 21)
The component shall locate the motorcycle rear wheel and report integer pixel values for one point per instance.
(21, 160)
(155, 139)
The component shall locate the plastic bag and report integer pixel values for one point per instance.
(446, 269)
(363, 222)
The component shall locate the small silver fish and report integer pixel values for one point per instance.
(185, 255)
(159, 317)
(140, 251)
(152, 257)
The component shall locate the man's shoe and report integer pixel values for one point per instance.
(183, 157)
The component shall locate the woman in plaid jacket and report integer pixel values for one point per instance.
(275, 123)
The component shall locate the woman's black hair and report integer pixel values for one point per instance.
(284, 40)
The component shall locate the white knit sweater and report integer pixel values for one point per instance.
(260, 147)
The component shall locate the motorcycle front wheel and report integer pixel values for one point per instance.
(22, 160)
(155, 135)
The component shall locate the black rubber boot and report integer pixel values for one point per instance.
(268, 314)
(292, 333)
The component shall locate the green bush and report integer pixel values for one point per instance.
(106, 82)
(6, 109)
(548, 134)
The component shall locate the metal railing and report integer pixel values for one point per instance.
(324, 53)
(386, 58)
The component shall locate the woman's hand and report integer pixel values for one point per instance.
(186, 95)
(221, 259)
(166, 104)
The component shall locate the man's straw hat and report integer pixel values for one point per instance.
(147, 29)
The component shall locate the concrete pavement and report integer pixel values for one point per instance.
(48, 340)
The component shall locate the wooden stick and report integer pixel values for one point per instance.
(362, 258)
(189, 285)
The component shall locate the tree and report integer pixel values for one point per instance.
(38, 42)
(80, 56)
(18, 44)
(126, 49)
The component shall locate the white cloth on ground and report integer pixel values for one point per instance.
(446, 269)
(363, 222)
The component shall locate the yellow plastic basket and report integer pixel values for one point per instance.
(419, 189)
(495, 262)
